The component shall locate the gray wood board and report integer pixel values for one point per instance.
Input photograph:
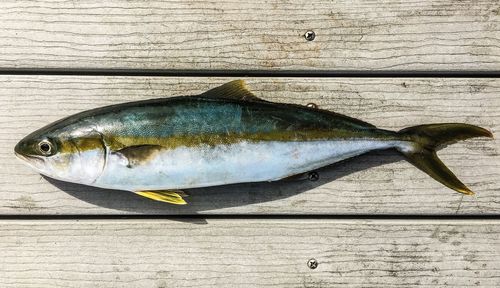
(249, 253)
(378, 183)
(251, 35)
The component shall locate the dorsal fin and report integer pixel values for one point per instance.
(236, 89)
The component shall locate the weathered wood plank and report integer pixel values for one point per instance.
(249, 253)
(381, 183)
(262, 35)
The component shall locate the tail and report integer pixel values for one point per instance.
(426, 139)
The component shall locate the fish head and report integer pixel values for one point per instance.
(76, 155)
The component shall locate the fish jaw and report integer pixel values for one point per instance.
(35, 163)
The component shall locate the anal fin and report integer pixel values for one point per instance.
(169, 196)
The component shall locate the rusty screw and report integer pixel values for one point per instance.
(312, 263)
(310, 35)
(313, 176)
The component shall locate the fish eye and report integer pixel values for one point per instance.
(45, 147)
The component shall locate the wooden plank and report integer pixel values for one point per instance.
(380, 183)
(262, 35)
(249, 253)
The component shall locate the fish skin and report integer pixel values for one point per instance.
(194, 116)
(149, 145)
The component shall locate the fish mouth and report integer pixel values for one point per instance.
(20, 156)
(23, 156)
(31, 160)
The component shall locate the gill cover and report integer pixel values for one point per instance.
(90, 160)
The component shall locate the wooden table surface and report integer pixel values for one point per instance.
(372, 221)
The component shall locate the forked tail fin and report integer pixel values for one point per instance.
(426, 139)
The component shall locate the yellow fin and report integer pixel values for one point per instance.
(169, 196)
(236, 89)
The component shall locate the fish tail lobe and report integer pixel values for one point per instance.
(427, 139)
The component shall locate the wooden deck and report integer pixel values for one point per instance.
(373, 221)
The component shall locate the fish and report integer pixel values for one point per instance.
(158, 148)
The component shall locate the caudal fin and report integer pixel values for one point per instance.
(427, 139)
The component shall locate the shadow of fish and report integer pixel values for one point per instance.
(158, 147)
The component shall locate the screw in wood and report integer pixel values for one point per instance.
(312, 105)
(312, 263)
(313, 176)
(310, 35)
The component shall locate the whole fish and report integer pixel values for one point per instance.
(158, 147)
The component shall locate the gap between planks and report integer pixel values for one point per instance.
(202, 218)
(250, 73)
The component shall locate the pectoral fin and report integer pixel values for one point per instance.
(139, 154)
(169, 196)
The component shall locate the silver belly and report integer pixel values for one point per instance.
(203, 166)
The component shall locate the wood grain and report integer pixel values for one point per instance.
(379, 183)
(249, 253)
(251, 35)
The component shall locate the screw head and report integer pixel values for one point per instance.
(310, 35)
(312, 105)
(313, 176)
(312, 263)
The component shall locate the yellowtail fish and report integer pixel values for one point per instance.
(158, 147)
